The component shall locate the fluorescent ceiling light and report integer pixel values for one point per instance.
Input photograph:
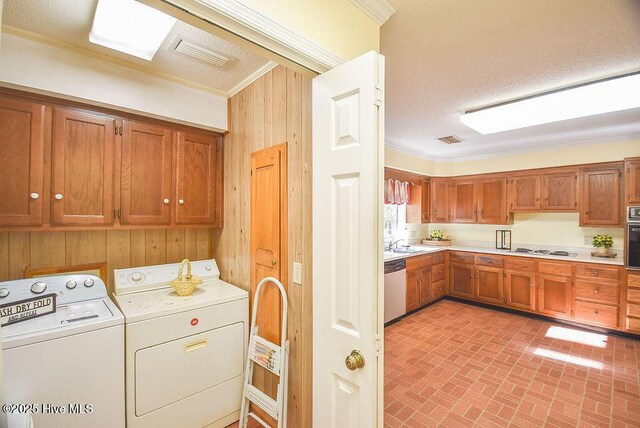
(619, 93)
(130, 27)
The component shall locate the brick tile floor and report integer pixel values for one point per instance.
(456, 365)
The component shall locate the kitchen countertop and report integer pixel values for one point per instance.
(582, 257)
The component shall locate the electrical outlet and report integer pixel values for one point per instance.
(413, 233)
(297, 273)
(588, 240)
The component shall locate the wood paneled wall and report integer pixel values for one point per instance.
(118, 248)
(273, 110)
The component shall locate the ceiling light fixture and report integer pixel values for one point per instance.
(604, 96)
(130, 27)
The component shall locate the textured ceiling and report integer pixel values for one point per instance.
(444, 57)
(69, 21)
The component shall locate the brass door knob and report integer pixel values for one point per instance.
(274, 262)
(355, 360)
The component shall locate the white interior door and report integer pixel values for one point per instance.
(348, 162)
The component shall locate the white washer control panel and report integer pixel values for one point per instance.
(65, 287)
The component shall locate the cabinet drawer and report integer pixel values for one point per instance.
(599, 291)
(413, 263)
(633, 280)
(554, 268)
(633, 325)
(596, 313)
(438, 272)
(439, 289)
(461, 257)
(633, 309)
(633, 295)
(597, 271)
(489, 261)
(438, 258)
(520, 264)
(426, 260)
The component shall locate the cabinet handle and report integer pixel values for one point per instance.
(596, 291)
(586, 212)
(531, 285)
(541, 287)
(181, 201)
(481, 212)
(58, 196)
(595, 312)
(596, 273)
(274, 262)
(34, 195)
(166, 201)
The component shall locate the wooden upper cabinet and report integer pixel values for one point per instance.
(82, 168)
(559, 191)
(198, 179)
(601, 197)
(492, 201)
(22, 136)
(440, 200)
(632, 181)
(426, 202)
(525, 193)
(146, 173)
(463, 201)
(418, 206)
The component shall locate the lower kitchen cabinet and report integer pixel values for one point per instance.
(425, 280)
(461, 280)
(488, 284)
(520, 290)
(413, 289)
(554, 295)
(633, 302)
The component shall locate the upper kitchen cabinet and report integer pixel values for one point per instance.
(632, 181)
(559, 191)
(525, 193)
(601, 195)
(492, 201)
(146, 173)
(83, 148)
(199, 179)
(549, 190)
(440, 200)
(22, 139)
(418, 206)
(463, 200)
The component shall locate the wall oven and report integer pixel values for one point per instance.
(633, 238)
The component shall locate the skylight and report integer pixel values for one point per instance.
(130, 27)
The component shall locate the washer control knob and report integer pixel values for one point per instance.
(4, 292)
(71, 284)
(136, 277)
(88, 282)
(38, 287)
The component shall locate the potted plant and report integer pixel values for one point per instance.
(436, 235)
(602, 243)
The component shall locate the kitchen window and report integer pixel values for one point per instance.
(395, 222)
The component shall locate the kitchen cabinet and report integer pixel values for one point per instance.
(146, 173)
(597, 294)
(413, 289)
(601, 196)
(22, 140)
(633, 302)
(198, 179)
(463, 201)
(525, 193)
(426, 294)
(440, 200)
(559, 191)
(632, 181)
(488, 284)
(461, 276)
(83, 150)
(419, 280)
(554, 289)
(418, 207)
(520, 283)
(492, 201)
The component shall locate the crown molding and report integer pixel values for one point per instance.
(407, 151)
(248, 24)
(252, 78)
(378, 10)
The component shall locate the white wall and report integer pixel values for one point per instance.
(37, 67)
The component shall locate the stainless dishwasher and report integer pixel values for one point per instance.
(395, 289)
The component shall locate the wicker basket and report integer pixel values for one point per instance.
(434, 243)
(185, 285)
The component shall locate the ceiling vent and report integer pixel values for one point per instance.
(451, 139)
(189, 49)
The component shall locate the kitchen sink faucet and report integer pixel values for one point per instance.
(394, 242)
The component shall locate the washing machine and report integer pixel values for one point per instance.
(184, 356)
(63, 351)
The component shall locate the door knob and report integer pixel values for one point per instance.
(181, 201)
(34, 195)
(166, 201)
(273, 262)
(355, 360)
(58, 196)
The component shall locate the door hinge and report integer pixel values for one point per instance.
(119, 213)
(619, 173)
(215, 215)
(115, 128)
(504, 300)
(379, 96)
(217, 147)
(118, 130)
(377, 344)
(115, 213)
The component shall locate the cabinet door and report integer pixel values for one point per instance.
(426, 206)
(525, 193)
(520, 290)
(632, 181)
(463, 201)
(488, 284)
(439, 289)
(425, 285)
(461, 280)
(439, 200)
(554, 295)
(601, 200)
(146, 173)
(82, 168)
(414, 207)
(413, 289)
(21, 162)
(559, 191)
(492, 201)
(198, 179)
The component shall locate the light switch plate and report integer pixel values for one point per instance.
(297, 273)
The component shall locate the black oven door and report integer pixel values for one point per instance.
(633, 246)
